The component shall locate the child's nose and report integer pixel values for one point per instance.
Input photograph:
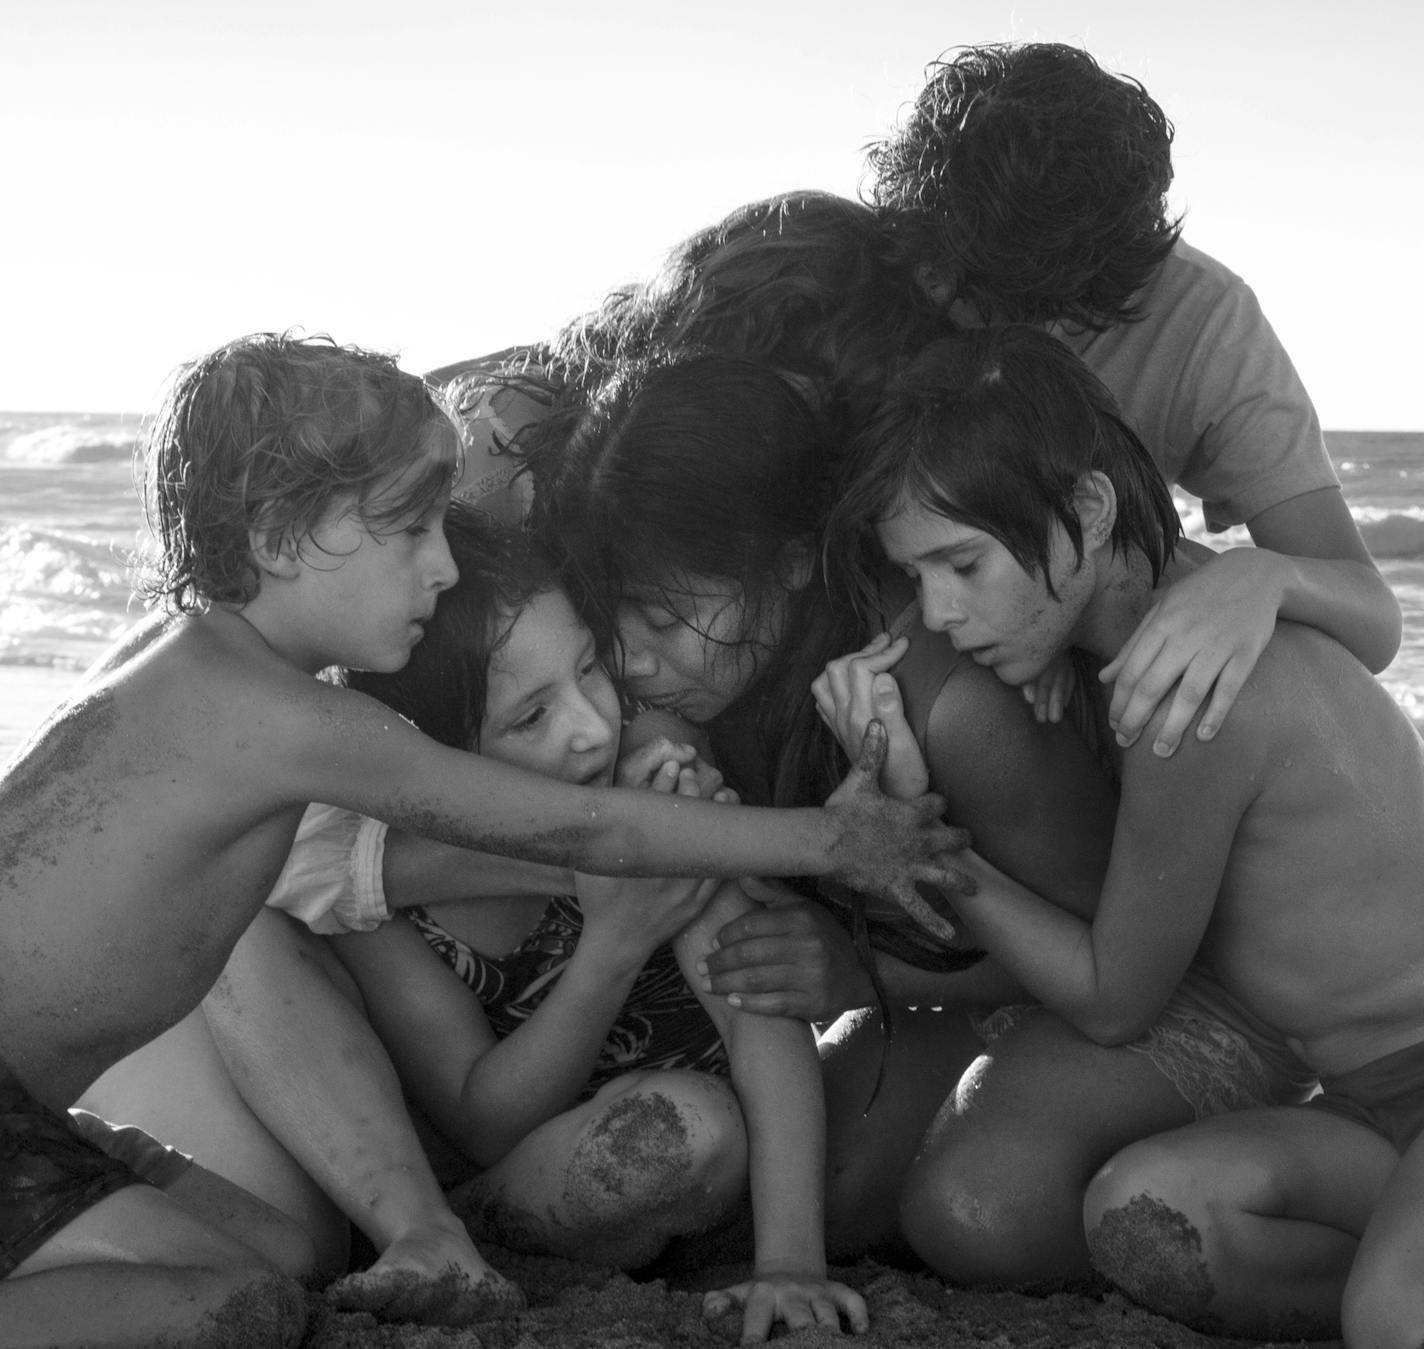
(636, 662)
(592, 730)
(443, 571)
(937, 610)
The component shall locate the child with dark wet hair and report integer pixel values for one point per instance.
(1283, 860)
(554, 1040)
(1028, 184)
(299, 490)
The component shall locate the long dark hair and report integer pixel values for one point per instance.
(707, 467)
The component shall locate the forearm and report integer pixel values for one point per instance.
(777, 1076)
(419, 870)
(538, 1070)
(1046, 949)
(1348, 600)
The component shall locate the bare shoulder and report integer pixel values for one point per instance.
(980, 726)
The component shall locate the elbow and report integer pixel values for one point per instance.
(1387, 633)
(1110, 1027)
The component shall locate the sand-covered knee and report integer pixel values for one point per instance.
(637, 1154)
(1154, 1254)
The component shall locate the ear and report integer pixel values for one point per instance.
(1095, 503)
(797, 565)
(275, 556)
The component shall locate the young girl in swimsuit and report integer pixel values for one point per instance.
(554, 1041)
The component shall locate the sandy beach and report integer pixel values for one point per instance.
(574, 1306)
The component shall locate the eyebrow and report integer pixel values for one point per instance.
(946, 551)
(589, 650)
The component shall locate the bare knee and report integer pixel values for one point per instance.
(993, 1208)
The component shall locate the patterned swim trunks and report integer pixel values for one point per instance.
(49, 1175)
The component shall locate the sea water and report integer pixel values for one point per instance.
(71, 522)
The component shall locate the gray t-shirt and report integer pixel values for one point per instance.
(1207, 385)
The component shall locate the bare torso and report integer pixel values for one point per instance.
(1319, 923)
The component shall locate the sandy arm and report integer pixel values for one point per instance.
(367, 760)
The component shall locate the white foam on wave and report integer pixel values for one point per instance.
(65, 599)
(70, 444)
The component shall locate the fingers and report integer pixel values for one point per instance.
(872, 753)
(915, 905)
(1228, 685)
(641, 767)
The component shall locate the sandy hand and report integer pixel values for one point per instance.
(797, 1301)
(885, 846)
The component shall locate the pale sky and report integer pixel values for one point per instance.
(443, 178)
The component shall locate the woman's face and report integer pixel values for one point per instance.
(696, 648)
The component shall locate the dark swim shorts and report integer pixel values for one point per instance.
(1386, 1095)
(48, 1174)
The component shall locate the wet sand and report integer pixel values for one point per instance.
(574, 1306)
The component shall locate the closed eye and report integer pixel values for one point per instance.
(530, 719)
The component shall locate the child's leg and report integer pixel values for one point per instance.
(1243, 1224)
(137, 1269)
(653, 1155)
(307, 1063)
(177, 1088)
(1384, 1297)
(217, 1201)
(996, 1193)
(868, 1153)
(287, 1022)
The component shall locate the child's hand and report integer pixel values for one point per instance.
(1048, 694)
(857, 689)
(665, 766)
(654, 754)
(786, 957)
(645, 912)
(885, 848)
(1204, 634)
(798, 1301)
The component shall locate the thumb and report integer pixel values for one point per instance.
(872, 751)
(887, 691)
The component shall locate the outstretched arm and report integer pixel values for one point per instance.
(368, 761)
(1205, 634)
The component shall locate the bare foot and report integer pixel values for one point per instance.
(433, 1278)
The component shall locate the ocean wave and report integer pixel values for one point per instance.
(1396, 534)
(1392, 534)
(70, 444)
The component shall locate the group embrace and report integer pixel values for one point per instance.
(760, 771)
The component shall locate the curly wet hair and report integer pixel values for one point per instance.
(1033, 181)
(265, 436)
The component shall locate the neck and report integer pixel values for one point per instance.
(1121, 598)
